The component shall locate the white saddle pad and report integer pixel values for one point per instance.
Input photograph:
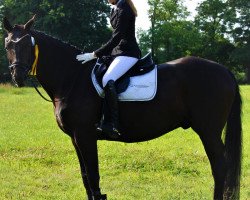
(141, 88)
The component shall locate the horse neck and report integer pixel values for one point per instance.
(57, 66)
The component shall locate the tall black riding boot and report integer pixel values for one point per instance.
(110, 120)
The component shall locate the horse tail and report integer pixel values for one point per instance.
(233, 148)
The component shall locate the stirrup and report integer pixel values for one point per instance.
(98, 126)
(112, 132)
(109, 130)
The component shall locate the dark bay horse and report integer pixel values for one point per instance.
(192, 92)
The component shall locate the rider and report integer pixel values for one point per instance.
(124, 48)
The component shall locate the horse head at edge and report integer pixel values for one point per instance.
(19, 46)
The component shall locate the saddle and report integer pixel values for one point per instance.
(143, 66)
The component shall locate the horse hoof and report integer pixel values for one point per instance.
(99, 197)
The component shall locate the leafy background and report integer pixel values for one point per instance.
(220, 31)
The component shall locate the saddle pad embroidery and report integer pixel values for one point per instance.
(141, 88)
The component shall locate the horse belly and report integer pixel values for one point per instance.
(142, 121)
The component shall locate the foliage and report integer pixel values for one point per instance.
(211, 21)
(168, 21)
(219, 32)
(241, 34)
(81, 22)
(38, 161)
(220, 23)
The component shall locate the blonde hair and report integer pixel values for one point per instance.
(132, 7)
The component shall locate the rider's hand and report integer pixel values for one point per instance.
(85, 57)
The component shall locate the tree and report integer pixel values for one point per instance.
(241, 34)
(82, 22)
(213, 20)
(171, 36)
(219, 32)
(224, 25)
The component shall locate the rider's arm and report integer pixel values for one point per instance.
(118, 33)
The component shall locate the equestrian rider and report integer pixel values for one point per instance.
(123, 46)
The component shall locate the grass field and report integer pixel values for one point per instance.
(37, 161)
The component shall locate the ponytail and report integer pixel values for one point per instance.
(132, 7)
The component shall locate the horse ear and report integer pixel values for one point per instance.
(29, 24)
(6, 24)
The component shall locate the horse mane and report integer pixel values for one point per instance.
(44, 36)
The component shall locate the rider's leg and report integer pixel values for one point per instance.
(117, 68)
(110, 120)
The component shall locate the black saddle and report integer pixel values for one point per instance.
(143, 66)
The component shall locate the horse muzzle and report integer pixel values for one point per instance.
(18, 73)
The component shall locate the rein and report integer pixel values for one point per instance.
(46, 99)
(33, 73)
(33, 84)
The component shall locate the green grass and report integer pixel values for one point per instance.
(37, 161)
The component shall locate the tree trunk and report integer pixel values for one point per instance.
(152, 33)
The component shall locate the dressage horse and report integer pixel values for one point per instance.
(192, 92)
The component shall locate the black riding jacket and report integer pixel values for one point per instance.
(123, 41)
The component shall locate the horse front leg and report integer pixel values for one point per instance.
(83, 171)
(86, 148)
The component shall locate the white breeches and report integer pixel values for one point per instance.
(119, 66)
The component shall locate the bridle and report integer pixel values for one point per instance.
(32, 68)
(20, 64)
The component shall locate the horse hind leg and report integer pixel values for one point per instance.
(215, 149)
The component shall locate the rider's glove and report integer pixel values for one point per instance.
(85, 57)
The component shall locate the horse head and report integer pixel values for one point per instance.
(19, 45)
